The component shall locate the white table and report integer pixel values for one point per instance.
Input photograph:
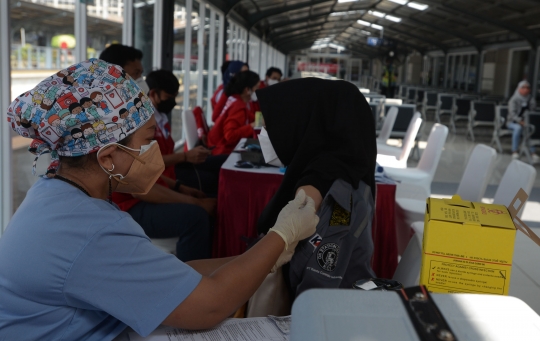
(345, 315)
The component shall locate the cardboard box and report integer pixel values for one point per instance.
(467, 247)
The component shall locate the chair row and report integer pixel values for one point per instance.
(418, 95)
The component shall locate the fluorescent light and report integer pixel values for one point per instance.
(344, 13)
(377, 27)
(377, 14)
(417, 6)
(392, 18)
(316, 47)
(362, 22)
(401, 2)
(337, 47)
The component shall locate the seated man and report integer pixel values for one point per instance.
(169, 209)
(129, 58)
(194, 168)
(273, 76)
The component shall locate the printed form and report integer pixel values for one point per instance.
(248, 329)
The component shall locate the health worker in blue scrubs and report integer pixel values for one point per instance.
(75, 267)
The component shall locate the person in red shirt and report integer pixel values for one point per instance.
(233, 68)
(273, 76)
(219, 91)
(236, 120)
(195, 168)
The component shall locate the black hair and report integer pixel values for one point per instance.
(122, 111)
(163, 80)
(74, 105)
(242, 80)
(120, 54)
(224, 66)
(84, 100)
(136, 100)
(271, 70)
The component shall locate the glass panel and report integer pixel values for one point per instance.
(355, 70)
(471, 76)
(455, 73)
(179, 27)
(104, 25)
(143, 31)
(206, 26)
(462, 69)
(42, 41)
(254, 54)
(449, 67)
(439, 82)
(193, 70)
(217, 58)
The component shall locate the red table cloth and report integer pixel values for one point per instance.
(243, 196)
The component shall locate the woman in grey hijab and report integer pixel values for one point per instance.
(521, 101)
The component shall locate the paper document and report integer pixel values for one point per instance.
(249, 329)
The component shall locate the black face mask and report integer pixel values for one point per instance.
(166, 106)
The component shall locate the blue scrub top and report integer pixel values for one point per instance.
(77, 268)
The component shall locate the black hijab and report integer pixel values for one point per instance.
(322, 130)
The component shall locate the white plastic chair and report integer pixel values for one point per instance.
(389, 156)
(517, 175)
(410, 210)
(190, 129)
(386, 129)
(422, 175)
(408, 269)
(411, 199)
(477, 173)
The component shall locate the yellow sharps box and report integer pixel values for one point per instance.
(467, 247)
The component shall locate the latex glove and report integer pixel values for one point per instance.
(285, 257)
(296, 221)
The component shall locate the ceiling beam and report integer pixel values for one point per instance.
(257, 17)
(285, 33)
(426, 39)
(468, 38)
(285, 23)
(411, 46)
(529, 36)
(311, 36)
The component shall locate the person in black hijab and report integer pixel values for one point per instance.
(324, 132)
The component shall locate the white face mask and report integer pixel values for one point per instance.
(272, 82)
(253, 96)
(269, 154)
(142, 85)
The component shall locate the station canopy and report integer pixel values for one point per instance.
(364, 26)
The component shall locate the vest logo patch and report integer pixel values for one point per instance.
(327, 256)
(315, 241)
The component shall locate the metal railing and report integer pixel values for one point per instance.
(30, 57)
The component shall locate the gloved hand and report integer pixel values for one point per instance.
(295, 222)
(285, 257)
